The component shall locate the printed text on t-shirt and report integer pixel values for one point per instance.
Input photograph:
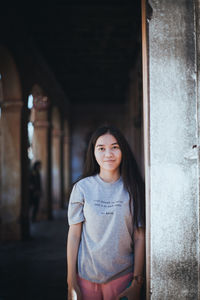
(104, 205)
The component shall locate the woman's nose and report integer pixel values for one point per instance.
(108, 153)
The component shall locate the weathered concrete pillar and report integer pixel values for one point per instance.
(10, 205)
(40, 151)
(56, 159)
(197, 19)
(173, 166)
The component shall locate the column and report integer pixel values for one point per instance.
(40, 151)
(173, 166)
(56, 159)
(66, 162)
(10, 200)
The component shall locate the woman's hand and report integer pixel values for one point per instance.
(73, 241)
(131, 293)
(74, 292)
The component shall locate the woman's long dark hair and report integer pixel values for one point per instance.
(128, 168)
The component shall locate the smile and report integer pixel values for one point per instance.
(109, 160)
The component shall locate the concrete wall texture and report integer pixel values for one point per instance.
(174, 164)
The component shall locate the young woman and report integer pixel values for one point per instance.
(106, 240)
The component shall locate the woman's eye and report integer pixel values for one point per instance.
(101, 149)
(115, 147)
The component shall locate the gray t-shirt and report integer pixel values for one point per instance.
(106, 247)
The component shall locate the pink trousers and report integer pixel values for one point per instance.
(104, 291)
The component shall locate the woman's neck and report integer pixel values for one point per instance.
(109, 176)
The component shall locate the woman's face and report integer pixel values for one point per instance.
(108, 153)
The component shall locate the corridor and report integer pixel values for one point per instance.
(67, 68)
(36, 268)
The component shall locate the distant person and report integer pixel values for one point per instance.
(106, 239)
(35, 189)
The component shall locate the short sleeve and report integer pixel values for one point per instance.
(75, 207)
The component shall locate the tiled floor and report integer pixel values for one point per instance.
(36, 269)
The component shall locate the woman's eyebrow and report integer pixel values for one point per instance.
(101, 145)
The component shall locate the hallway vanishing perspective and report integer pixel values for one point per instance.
(65, 69)
(58, 82)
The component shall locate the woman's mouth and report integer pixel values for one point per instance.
(109, 161)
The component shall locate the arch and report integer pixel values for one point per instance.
(10, 77)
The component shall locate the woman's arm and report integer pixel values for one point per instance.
(73, 241)
(133, 292)
(139, 249)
